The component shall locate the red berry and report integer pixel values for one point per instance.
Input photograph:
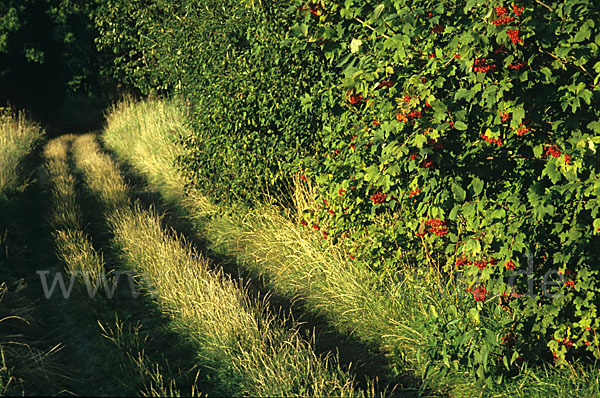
(514, 36)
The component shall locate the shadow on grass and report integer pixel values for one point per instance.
(361, 360)
(169, 356)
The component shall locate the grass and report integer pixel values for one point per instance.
(293, 261)
(24, 366)
(247, 350)
(84, 263)
(387, 314)
(18, 139)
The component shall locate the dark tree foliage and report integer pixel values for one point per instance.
(49, 63)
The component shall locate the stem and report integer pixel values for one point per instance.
(370, 27)
(581, 68)
(544, 5)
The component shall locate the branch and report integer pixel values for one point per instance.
(567, 63)
(370, 27)
(544, 5)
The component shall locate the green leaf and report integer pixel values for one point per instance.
(420, 140)
(477, 186)
(594, 126)
(517, 116)
(460, 125)
(299, 30)
(583, 34)
(378, 10)
(355, 45)
(459, 193)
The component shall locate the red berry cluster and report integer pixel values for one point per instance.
(512, 294)
(355, 98)
(505, 116)
(503, 20)
(438, 29)
(437, 227)
(435, 144)
(552, 150)
(510, 265)
(521, 131)
(501, 10)
(378, 198)
(401, 118)
(517, 10)
(483, 263)
(414, 192)
(386, 83)
(568, 343)
(414, 115)
(517, 65)
(479, 293)
(514, 36)
(427, 164)
(341, 192)
(462, 260)
(567, 159)
(413, 156)
(571, 284)
(481, 66)
(490, 140)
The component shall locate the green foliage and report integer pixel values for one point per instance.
(460, 132)
(473, 127)
(229, 63)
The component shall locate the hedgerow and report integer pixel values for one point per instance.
(473, 126)
(246, 93)
(457, 136)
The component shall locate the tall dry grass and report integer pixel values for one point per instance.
(83, 262)
(18, 138)
(248, 351)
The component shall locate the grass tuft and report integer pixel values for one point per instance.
(18, 138)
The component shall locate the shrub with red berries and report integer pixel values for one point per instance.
(495, 117)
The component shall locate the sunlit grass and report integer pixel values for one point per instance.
(83, 262)
(18, 138)
(248, 351)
